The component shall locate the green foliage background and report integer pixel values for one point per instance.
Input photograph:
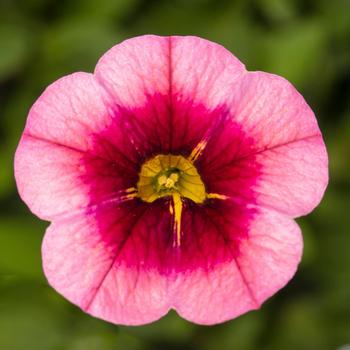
(306, 41)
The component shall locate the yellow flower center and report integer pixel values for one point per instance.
(174, 176)
(167, 174)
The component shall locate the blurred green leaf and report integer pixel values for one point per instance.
(29, 318)
(75, 45)
(20, 246)
(296, 52)
(310, 243)
(6, 173)
(338, 148)
(15, 47)
(101, 11)
(278, 10)
(243, 333)
(170, 328)
(300, 326)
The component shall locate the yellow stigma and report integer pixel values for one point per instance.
(168, 182)
(176, 210)
(173, 176)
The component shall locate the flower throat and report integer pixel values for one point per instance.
(173, 176)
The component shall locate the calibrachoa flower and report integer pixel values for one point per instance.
(171, 177)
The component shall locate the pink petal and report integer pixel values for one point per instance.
(171, 76)
(202, 74)
(91, 266)
(272, 110)
(135, 69)
(118, 262)
(186, 68)
(47, 177)
(202, 71)
(289, 143)
(68, 111)
(293, 176)
(59, 157)
(279, 144)
(267, 260)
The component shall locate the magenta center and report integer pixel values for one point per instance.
(142, 229)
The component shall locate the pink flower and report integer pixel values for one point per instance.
(171, 177)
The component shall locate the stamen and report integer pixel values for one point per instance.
(131, 189)
(176, 211)
(132, 193)
(197, 151)
(128, 196)
(216, 196)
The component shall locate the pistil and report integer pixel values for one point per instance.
(176, 211)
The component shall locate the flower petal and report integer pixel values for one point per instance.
(279, 144)
(202, 74)
(267, 260)
(174, 81)
(189, 68)
(203, 71)
(293, 177)
(64, 151)
(288, 142)
(96, 262)
(135, 69)
(69, 111)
